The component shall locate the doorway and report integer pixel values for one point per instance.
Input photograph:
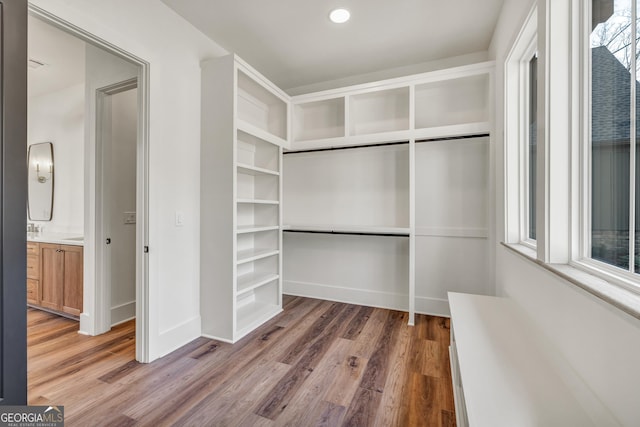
(117, 134)
(120, 81)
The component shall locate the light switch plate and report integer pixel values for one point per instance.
(179, 218)
(129, 217)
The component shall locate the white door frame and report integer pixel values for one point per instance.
(92, 320)
(103, 254)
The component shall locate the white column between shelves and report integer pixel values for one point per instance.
(412, 232)
(347, 115)
(280, 214)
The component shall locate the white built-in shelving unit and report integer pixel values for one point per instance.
(439, 104)
(382, 194)
(387, 182)
(244, 127)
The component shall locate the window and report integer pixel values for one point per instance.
(580, 154)
(614, 131)
(532, 149)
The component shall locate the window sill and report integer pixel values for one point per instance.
(622, 299)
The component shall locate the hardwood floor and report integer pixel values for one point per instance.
(319, 363)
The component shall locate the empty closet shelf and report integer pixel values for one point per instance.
(256, 228)
(251, 281)
(255, 170)
(259, 133)
(259, 201)
(255, 254)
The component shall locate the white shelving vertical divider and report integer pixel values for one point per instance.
(245, 124)
(412, 209)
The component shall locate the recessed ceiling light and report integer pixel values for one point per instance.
(339, 16)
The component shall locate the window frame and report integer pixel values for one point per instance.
(516, 120)
(525, 176)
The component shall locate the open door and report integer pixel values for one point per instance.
(13, 193)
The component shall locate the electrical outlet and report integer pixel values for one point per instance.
(129, 217)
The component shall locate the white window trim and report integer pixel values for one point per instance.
(516, 121)
(525, 101)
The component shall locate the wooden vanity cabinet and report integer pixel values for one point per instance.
(61, 278)
(33, 273)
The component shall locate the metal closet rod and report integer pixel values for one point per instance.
(349, 233)
(350, 147)
(383, 144)
(453, 138)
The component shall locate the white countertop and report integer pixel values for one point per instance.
(57, 238)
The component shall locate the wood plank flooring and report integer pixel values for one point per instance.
(319, 363)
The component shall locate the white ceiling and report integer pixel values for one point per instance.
(62, 53)
(294, 44)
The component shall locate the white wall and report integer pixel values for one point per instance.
(599, 341)
(122, 177)
(58, 117)
(173, 49)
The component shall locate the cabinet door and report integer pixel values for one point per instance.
(72, 281)
(33, 290)
(51, 276)
(33, 267)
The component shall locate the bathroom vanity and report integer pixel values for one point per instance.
(55, 273)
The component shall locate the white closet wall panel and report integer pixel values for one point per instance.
(445, 264)
(363, 187)
(366, 270)
(452, 187)
(452, 250)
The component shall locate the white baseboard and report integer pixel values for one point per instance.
(433, 306)
(392, 301)
(174, 338)
(123, 312)
(388, 300)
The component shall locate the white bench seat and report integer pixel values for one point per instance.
(504, 375)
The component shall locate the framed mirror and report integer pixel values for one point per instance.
(41, 180)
